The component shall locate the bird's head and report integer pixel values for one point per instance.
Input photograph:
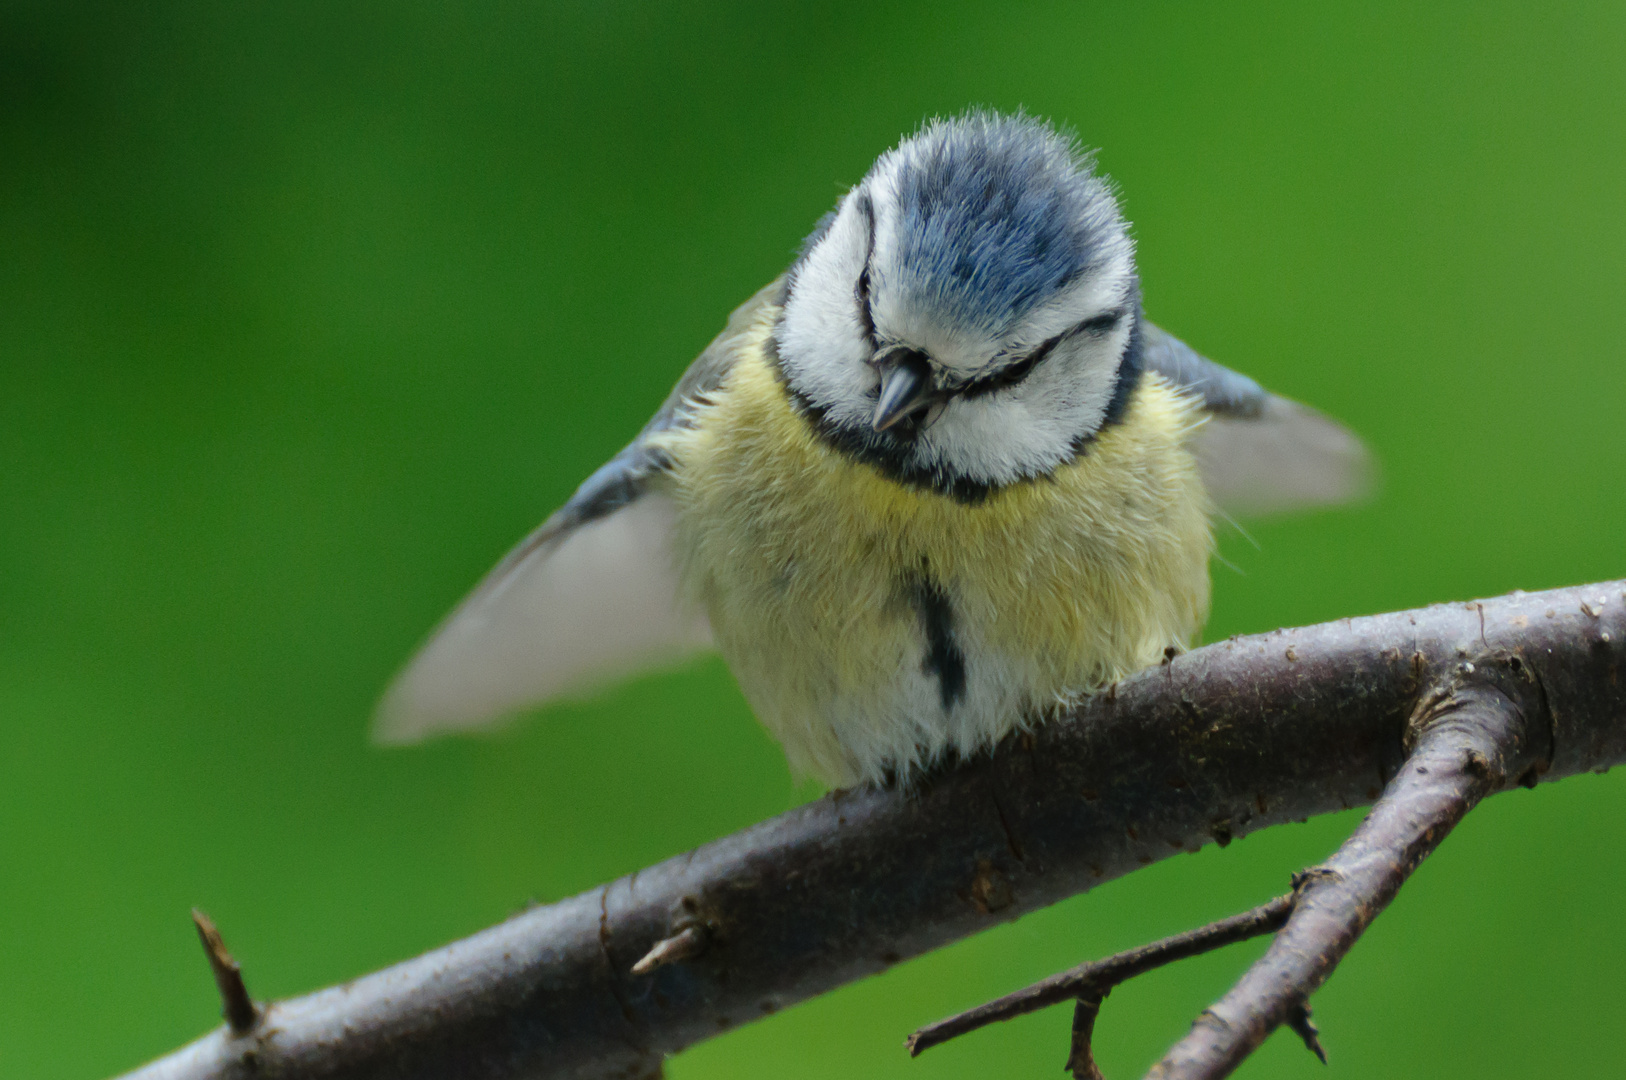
(964, 318)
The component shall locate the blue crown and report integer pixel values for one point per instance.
(995, 215)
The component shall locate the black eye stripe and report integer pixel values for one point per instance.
(1009, 376)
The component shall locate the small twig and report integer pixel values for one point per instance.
(1095, 979)
(1468, 738)
(688, 942)
(1080, 1055)
(235, 1005)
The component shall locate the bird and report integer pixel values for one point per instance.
(937, 481)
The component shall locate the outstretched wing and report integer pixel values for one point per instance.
(590, 595)
(1260, 453)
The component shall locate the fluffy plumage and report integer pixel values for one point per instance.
(822, 581)
(1024, 522)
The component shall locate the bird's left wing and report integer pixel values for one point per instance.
(592, 594)
(1260, 453)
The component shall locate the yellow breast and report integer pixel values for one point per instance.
(843, 601)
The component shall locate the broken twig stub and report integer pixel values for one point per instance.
(235, 1005)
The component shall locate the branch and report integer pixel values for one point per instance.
(1090, 983)
(1467, 737)
(1214, 744)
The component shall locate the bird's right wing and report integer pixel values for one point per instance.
(591, 595)
(1260, 453)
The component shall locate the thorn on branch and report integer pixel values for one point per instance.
(1299, 1020)
(235, 1005)
(686, 943)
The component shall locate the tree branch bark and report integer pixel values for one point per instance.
(1470, 735)
(1217, 743)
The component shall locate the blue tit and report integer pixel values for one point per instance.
(937, 480)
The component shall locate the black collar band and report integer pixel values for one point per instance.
(889, 452)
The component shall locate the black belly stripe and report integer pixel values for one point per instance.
(943, 660)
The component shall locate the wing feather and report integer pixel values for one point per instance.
(573, 612)
(1260, 453)
(592, 594)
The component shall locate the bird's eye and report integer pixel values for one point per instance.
(1099, 323)
(1008, 377)
(1018, 371)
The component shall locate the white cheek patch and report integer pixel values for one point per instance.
(822, 342)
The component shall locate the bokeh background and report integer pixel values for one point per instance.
(308, 310)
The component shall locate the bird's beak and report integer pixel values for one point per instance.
(906, 386)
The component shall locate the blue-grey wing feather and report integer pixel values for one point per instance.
(1224, 392)
(1260, 453)
(640, 466)
(629, 474)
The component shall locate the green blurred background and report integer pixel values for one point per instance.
(309, 310)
